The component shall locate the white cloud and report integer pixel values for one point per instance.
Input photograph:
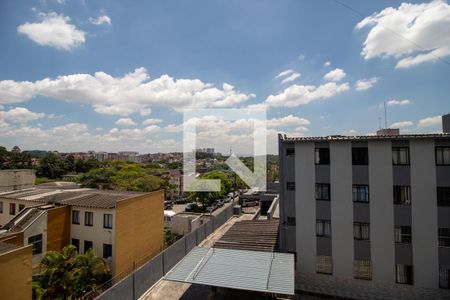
(397, 32)
(296, 95)
(103, 19)
(284, 73)
(365, 84)
(402, 124)
(290, 78)
(335, 75)
(145, 111)
(55, 31)
(133, 92)
(151, 121)
(20, 115)
(125, 122)
(395, 102)
(327, 64)
(430, 121)
(289, 120)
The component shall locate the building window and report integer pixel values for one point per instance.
(443, 196)
(361, 231)
(444, 237)
(402, 194)
(12, 209)
(36, 241)
(442, 156)
(290, 151)
(323, 228)
(322, 156)
(76, 243)
(360, 193)
(88, 218)
(21, 207)
(75, 217)
(362, 269)
(404, 274)
(444, 278)
(1, 207)
(291, 221)
(360, 156)
(87, 245)
(290, 186)
(107, 251)
(322, 191)
(108, 221)
(324, 264)
(400, 155)
(402, 234)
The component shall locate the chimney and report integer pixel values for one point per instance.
(388, 131)
(446, 123)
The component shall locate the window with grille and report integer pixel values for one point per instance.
(107, 251)
(88, 218)
(402, 194)
(360, 156)
(402, 234)
(323, 228)
(322, 156)
(75, 217)
(108, 221)
(290, 186)
(290, 151)
(362, 269)
(404, 274)
(361, 231)
(442, 156)
(444, 237)
(443, 196)
(324, 264)
(400, 156)
(360, 193)
(36, 241)
(322, 191)
(444, 278)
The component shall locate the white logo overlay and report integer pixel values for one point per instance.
(255, 180)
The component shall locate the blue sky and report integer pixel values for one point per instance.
(216, 54)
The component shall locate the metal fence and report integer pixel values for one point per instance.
(140, 280)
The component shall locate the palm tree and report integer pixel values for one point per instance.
(69, 275)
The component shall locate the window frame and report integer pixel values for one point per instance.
(290, 221)
(90, 218)
(358, 188)
(320, 188)
(444, 278)
(75, 243)
(106, 247)
(321, 228)
(362, 269)
(324, 264)
(443, 196)
(405, 238)
(442, 148)
(1, 207)
(444, 237)
(396, 153)
(408, 274)
(317, 156)
(76, 220)
(402, 190)
(107, 221)
(356, 156)
(360, 236)
(87, 248)
(290, 185)
(36, 242)
(290, 151)
(12, 209)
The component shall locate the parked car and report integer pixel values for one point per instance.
(227, 199)
(211, 207)
(249, 202)
(219, 202)
(190, 207)
(168, 204)
(181, 200)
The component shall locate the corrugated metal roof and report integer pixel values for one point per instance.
(286, 139)
(270, 272)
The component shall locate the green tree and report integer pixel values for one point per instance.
(97, 178)
(51, 166)
(69, 275)
(133, 178)
(206, 198)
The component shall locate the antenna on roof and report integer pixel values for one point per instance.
(379, 122)
(385, 118)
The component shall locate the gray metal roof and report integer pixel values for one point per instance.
(270, 272)
(286, 139)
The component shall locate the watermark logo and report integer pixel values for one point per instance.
(256, 180)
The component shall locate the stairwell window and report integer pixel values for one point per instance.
(444, 237)
(402, 234)
(360, 156)
(404, 274)
(323, 228)
(322, 191)
(402, 194)
(442, 156)
(400, 156)
(322, 156)
(443, 196)
(361, 231)
(360, 193)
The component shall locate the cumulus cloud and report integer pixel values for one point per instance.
(296, 95)
(335, 75)
(397, 32)
(103, 19)
(53, 30)
(395, 102)
(365, 84)
(151, 121)
(20, 115)
(125, 122)
(289, 120)
(402, 124)
(133, 92)
(430, 121)
(290, 78)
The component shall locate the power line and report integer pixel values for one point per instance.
(392, 31)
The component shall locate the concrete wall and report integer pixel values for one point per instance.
(15, 274)
(39, 226)
(11, 180)
(139, 229)
(58, 228)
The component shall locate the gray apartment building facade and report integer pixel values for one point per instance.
(368, 207)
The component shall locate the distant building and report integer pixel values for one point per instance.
(11, 180)
(101, 156)
(446, 123)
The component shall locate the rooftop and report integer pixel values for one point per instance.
(91, 198)
(284, 138)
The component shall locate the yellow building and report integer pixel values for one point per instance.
(15, 272)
